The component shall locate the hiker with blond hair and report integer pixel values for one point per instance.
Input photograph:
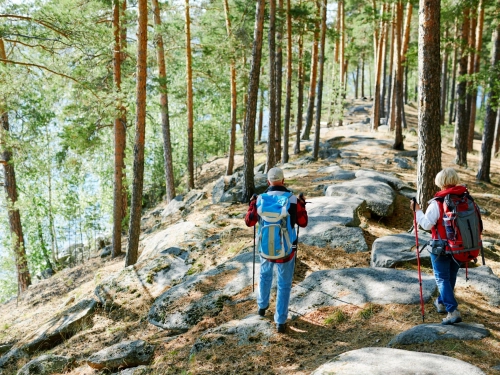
(277, 211)
(445, 263)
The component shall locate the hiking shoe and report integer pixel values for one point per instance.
(262, 312)
(452, 318)
(281, 328)
(440, 308)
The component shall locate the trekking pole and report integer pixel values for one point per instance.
(254, 233)
(482, 255)
(415, 225)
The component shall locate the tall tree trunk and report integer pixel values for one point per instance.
(16, 229)
(320, 78)
(189, 100)
(271, 134)
(120, 136)
(444, 79)
(483, 173)
(404, 50)
(398, 141)
(383, 79)
(453, 75)
(378, 71)
(140, 134)
(470, 69)
(497, 134)
(300, 94)
(288, 103)
(429, 135)
(261, 114)
(476, 63)
(123, 40)
(165, 117)
(234, 98)
(312, 81)
(342, 69)
(279, 80)
(462, 125)
(253, 92)
(362, 75)
(391, 69)
(356, 81)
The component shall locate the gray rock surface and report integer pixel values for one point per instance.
(46, 365)
(295, 173)
(5, 347)
(183, 202)
(61, 327)
(429, 333)
(122, 355)
(329, 169)
(183, 235)
(229, 189)
(358, 286)
(390, 250)
(217, 285)
(11, 356)
(350, 239)
(384, 361)
(337, 175)
(106, 252)
(150, 277)
(483, 280)
(391, 180)
(349, 162)
(349, 154)
(404, 163)
(379, 196)
(250, 330)
(139, 370)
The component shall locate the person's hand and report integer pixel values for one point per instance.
(253, 200)
(414, 205)
(302, 199)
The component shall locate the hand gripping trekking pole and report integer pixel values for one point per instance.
(415, 225)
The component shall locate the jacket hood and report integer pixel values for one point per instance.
(457, 190)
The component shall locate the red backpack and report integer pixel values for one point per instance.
(461, 226)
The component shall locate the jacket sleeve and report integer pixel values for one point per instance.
(301, 214)
(251, 217)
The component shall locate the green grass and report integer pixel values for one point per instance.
(337, 317)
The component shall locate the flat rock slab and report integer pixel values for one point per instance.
(183, 202)
(391, 180)
(390, 250)
(146, 278)
(483, 280)
(46, 365)
(187, 303)
(5, 347)
(329, 169)
(294, 173)
(337, 175)
(250, 330)
(61, 327)
(122, 355)
(383, 361)
(358, 286)
(181, 235)
(379, 196)
(429, 333)
(139, 370)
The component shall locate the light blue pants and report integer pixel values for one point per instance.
(445, 272)
(285, 277)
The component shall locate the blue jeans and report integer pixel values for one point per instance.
(445, 272)
(285, 277)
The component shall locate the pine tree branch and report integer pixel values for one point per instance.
(45, 24)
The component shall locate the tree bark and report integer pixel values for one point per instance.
(234, 98)
(321, 63)
(476, 64)
(140, 134)
(383, 79)
(470, 71)
(429, 135)
(453, 75)
(271, 134)
(279, 81)
(10, 186)
(300, 94)
(483, 173)
(497, 133)
(165, 116)
(189, 99)
(391, 69)
(362, 75)
(120, 136)
(398, 87)
(376, 104)
(444, 79)
(462, 125)
(288, 103)
(356, 81)
(253, 91)
(342, 67)
(312, 81)
(261, 114)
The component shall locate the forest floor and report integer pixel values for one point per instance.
(310, 340)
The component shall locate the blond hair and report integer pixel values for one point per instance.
(447, 177)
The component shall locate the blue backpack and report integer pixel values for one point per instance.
(275, 235)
